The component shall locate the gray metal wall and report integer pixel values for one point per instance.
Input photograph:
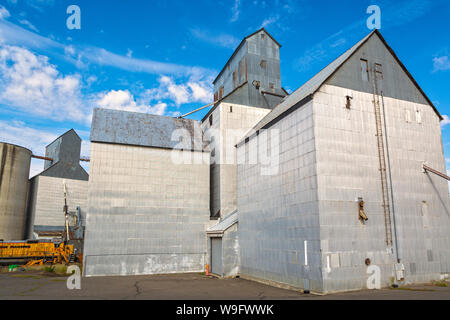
(348, 164)
(278, 213)
(231, 252)
(396, 83)
(256, 48)
(231, 122)
(146, 214)
(14, 172)
(46, 202)
(65, 152)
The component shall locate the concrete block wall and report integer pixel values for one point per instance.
(278, 213)
(147, 215)
(348, 168)
(46, 201)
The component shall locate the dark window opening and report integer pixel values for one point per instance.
(348, 105)
(365, 70)
(379, 70)
(210, 120)
(263, 64)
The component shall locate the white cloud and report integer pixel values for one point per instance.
(129, 53)
(28, 24)
(192, 91)
(221, 40)
(120, 100)
(441, 63)
(33, 85)
(81, 56)
(158, 109)
(4, 13)
(124, 100)
(445, 122)
(200, 92)
(235, 11)
(267, 22)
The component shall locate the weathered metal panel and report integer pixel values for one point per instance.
(46, 202)
(395, 83)
(216, 256)
(146, 214)
(279, 212)
(231, 251)
(147, 130)
(348, 163)
(14, 171)
(65, 152)
(257, 59)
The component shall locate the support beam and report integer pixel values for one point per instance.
(41, 158)
(428, 169)
(196, 110)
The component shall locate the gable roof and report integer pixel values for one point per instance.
(239, 47)
(65, 133)
(311, 86)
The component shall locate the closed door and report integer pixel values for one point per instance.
(216, 256)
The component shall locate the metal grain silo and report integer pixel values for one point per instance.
(14, 172)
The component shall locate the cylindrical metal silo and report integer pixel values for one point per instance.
(14, 172)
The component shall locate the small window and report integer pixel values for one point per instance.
(272, 87)
(215, 96)
(418, 116)
(210, 120)
(263, 64)
(263, 36)
(231, 109)
(425, 219)
(364, 70)
(348, 104)
(407, 116)
(221, 93)
(379, 70)
(234, 79)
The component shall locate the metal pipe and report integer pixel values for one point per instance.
(42, 158)
(196, 110)
(273, 94)
(390, 180)
(426, 168)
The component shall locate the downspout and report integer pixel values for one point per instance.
(390, 182)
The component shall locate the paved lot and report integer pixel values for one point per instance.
(183, 287)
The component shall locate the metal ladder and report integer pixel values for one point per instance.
(382, 160)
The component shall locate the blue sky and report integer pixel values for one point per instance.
(161, 56)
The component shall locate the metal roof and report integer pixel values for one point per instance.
(311, 86)
(141, 129)
(224, 224)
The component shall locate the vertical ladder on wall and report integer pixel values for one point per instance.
(382, 160)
